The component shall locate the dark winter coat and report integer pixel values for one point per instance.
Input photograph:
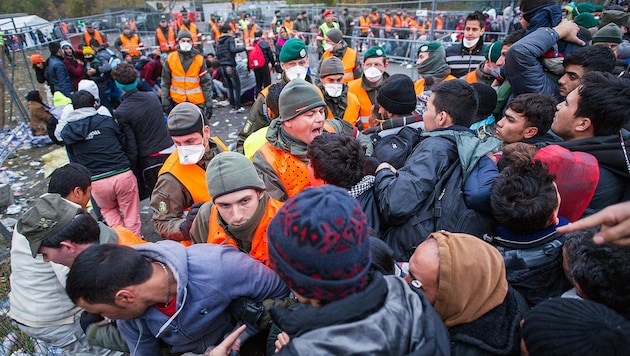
(57, 76)
(227, 50)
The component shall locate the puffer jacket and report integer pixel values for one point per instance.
(387, 318)
(227, 50)
(57, 76)
(208, 278)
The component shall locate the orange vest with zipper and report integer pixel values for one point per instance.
(216, 234)
(130, 45)
(349, 62)
(185, 86)
(291, 171)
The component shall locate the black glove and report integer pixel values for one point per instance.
(88, 319)
(166, 108)
(208, 114)
(185, 226)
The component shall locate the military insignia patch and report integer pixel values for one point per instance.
(163, 207)
(247, 127)
(379, 52)
(302, 53)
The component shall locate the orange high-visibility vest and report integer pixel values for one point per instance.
(192, 29)
(349, 63)
(166, 44)
(366, 104)
(471, 77)
(185, 86)
(418, 85)
(87, 37)
(389, 22)
(126, 237)
(191, 176)
(292, 172)
(364, 24)
(248, 34)
(131, 45)
(375, 20)
(216, 234)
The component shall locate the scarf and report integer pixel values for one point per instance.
(244, 234)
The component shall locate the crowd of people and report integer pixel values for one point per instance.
(481, 209)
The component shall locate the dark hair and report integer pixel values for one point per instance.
(523, 197)
(124, 73)
(54, 47)
(83, 99)
(382, 256)
(592, 58)
(94, 42)
(82, 229)
(457, 98)
(100, 271)
(538, 109)
(258, 33)
(477, 16)
(225, 28)
(516, 153)
(513, 37)
(527, 5)
(601, 271)
(337, 159)
(64, 179)
(272, 98)
(605, 99)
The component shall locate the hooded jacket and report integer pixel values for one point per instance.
(387, 318)
(208, 278)
(95, 141)
(612, 153)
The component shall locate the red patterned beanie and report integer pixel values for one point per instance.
(319, 245)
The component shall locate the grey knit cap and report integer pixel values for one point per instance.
(330, 66)
(229, 172)
(298, 97)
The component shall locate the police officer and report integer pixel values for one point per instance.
(181, 183)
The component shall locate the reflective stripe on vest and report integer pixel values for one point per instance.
(191, 176)
(166, 44)
(130, 45)
(292, 172)
(216, 234)
(185, 86)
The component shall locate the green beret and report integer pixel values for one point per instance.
(585, 7)
(586, 20)
(293, 49)
(493, 51)
(429, 47)
(598, 8)
(376, 51)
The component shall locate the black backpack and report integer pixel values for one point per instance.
(394, 149)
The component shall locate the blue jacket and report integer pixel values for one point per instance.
(208, 278)
(57, 76)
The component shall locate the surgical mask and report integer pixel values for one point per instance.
(495, 71)
(333, 89)
(185, 46)
(328, 47)
(247, 22)
(373, 74)
(190, 154)
(471, 43)
(296, 72)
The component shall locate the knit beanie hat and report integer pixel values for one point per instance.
(621, 18)
(89, 86)
(50, 214)
(184, 119)
(64, 44)
(298, 97)
(183, 34)
(374, 52)
(319, 244)
(527, 5)
(493, 52)
(331, 65)
(608, 33)
(293, 49)
(586, 20)
(229, 172)
(88, 51)
(487, 99)
(335, 35)
(570, 326)
(37, 58)
(397, 95)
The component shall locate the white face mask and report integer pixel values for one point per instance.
(185, 46)
(471, 43)
(373, 74)
(190, 154)
(296, 72)
(333, 89)
(328, 47)
(247, 22)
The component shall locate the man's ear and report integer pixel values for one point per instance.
(444, 119)
(584, 124)
(68, 245)
(124, 297)
(530, 132)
